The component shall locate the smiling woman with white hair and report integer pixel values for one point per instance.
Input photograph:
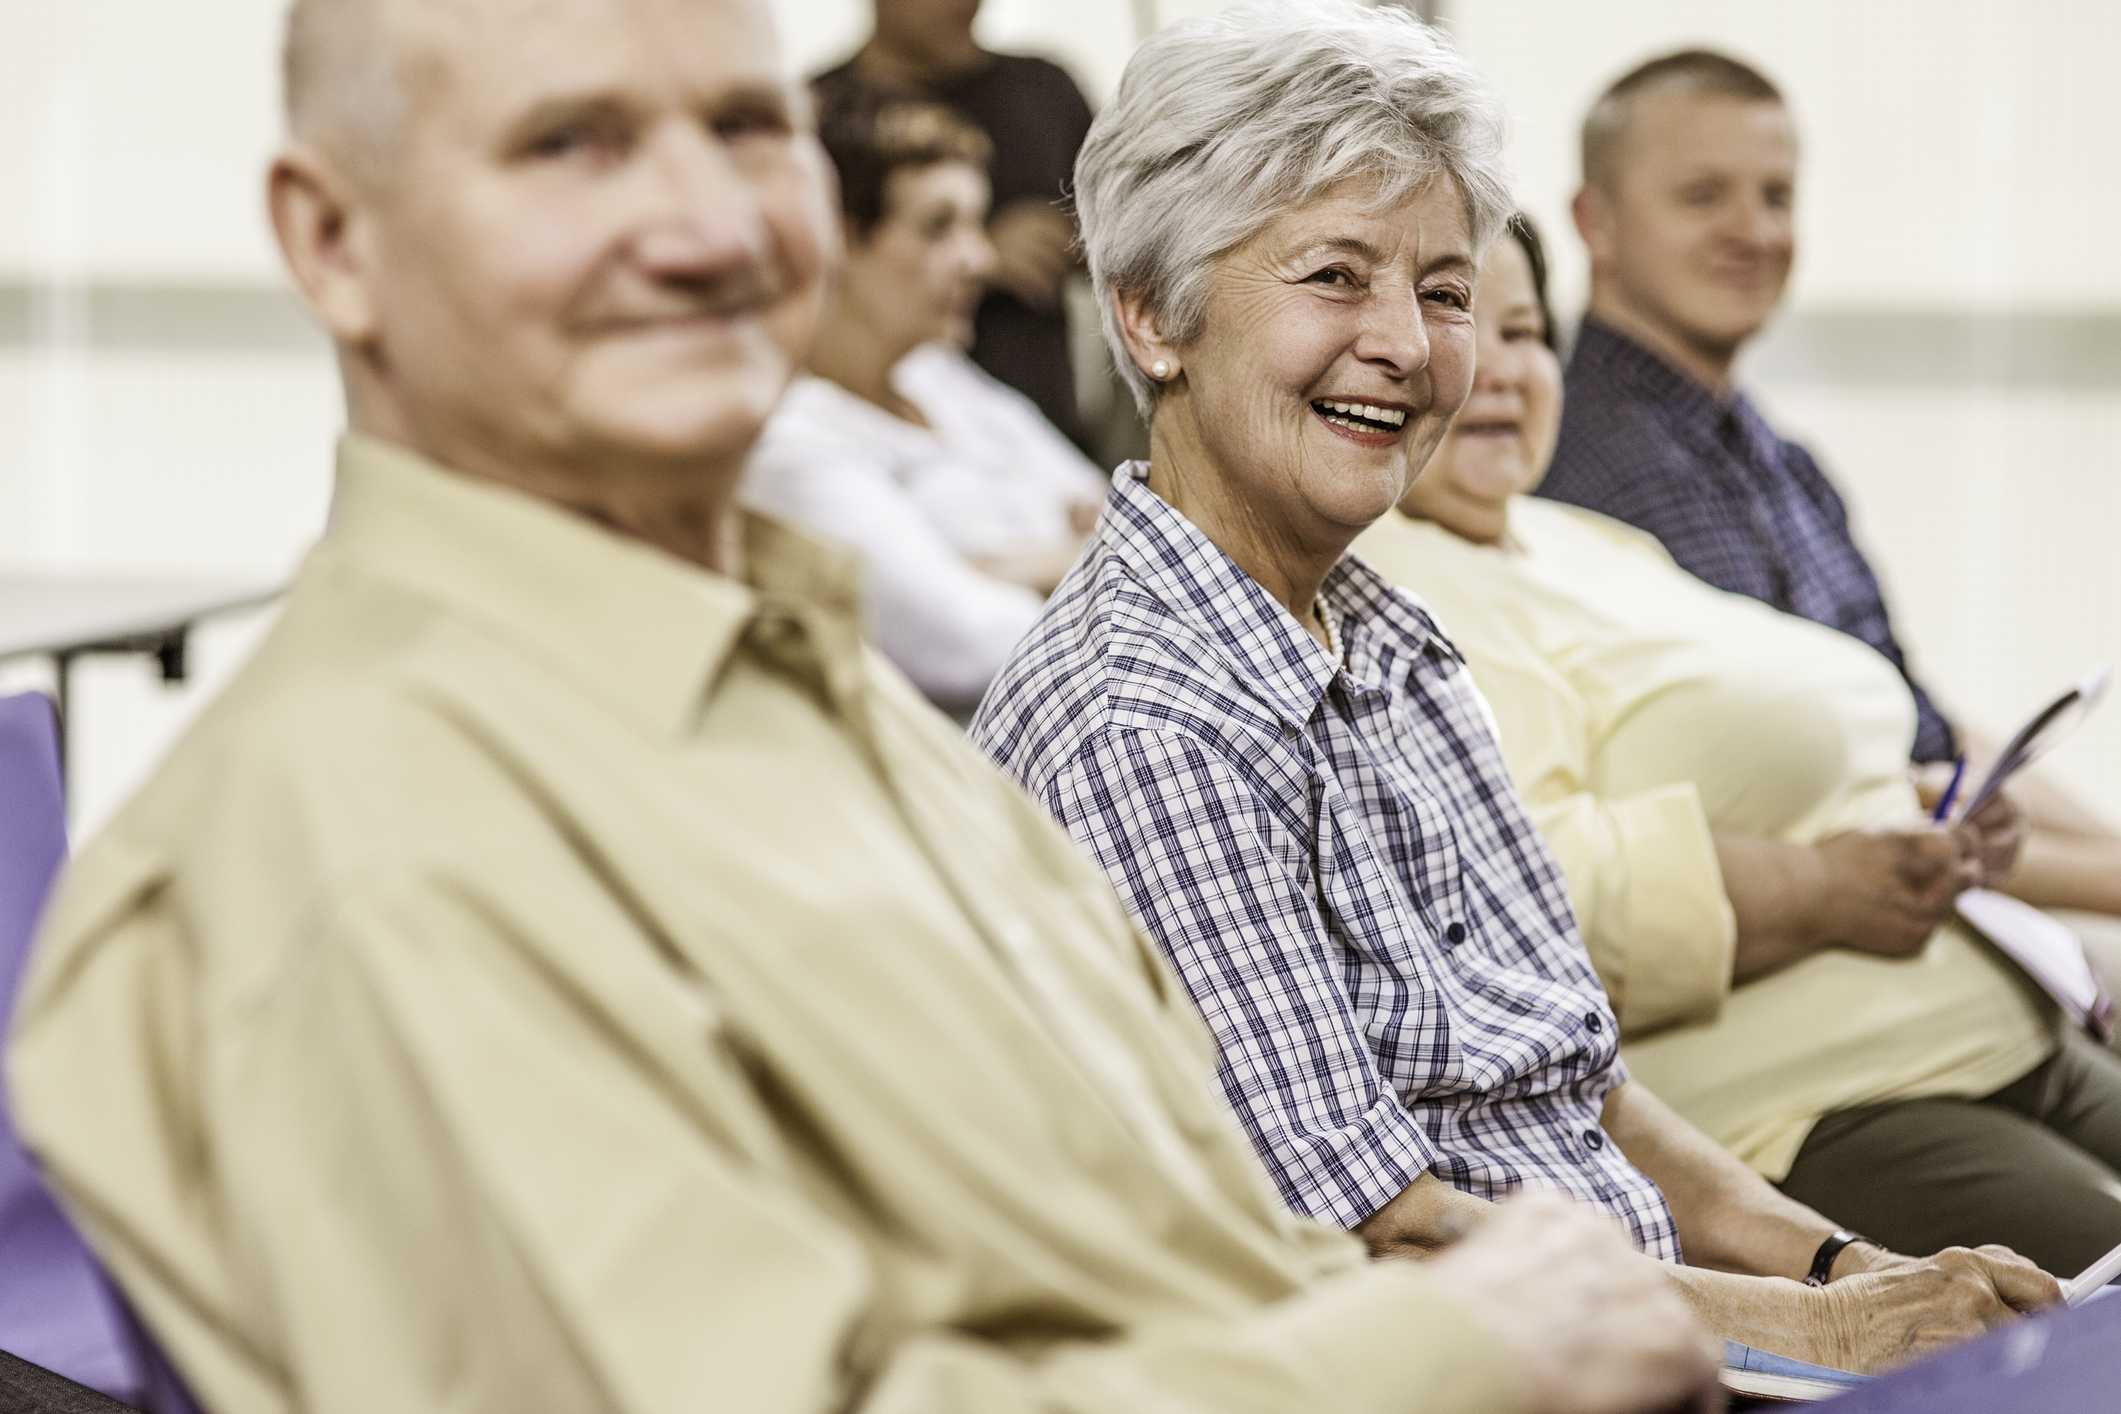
(1280, 760)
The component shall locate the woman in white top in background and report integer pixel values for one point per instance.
(967, 505)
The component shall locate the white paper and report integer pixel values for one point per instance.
(2092, 1280)
(2048, 951)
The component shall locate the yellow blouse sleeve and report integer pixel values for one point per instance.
(1641, 869)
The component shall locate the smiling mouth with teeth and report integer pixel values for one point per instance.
(1360, 417)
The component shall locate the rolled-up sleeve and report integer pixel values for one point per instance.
(1641, 869)
(1649, 897)
(1200, 858)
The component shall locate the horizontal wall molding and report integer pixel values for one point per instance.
(1857, 347)
(1925, 349)
(204, 319)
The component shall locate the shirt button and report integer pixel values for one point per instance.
(1592, 1139)
(1456, 933)
(1593, 1020)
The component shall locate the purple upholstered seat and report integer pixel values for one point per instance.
(2058, 1362)
(57, 1309)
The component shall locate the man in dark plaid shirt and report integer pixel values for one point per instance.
(1689, 176)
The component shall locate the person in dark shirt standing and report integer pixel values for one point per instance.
(1037, 119)
(1689, 188)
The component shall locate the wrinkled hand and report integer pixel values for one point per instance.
(1585, 1323)
(1887, 890)
(1034, 249)
(1900, 1308)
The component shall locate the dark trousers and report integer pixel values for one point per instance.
(2035, 1166)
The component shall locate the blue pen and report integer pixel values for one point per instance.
(1951, 792)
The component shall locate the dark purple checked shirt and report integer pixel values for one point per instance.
(1735, 504)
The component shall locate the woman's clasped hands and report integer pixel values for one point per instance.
(1886, 891)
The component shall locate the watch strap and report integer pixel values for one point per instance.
(1823, 1259)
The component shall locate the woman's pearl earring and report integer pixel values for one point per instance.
(1160, 369)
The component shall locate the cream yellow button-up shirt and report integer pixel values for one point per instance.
(1641, 710)
(556, 978)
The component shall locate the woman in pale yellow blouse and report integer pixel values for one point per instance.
(1726, 789)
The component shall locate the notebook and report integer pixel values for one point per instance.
(1777, 1379)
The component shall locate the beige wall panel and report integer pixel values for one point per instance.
(1957, 154)
(136, 136)
(1993, 516)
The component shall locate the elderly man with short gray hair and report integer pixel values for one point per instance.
(568, 971)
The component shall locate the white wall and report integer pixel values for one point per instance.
(1961, 161)
(1956, 154)
(136, 130)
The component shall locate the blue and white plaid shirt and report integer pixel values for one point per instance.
(1734, 503)
(1336, 862)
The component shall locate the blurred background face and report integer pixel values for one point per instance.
(937, 30)
(917, 276)
(1338, 344)
(1697, 237)
(1504, 436)
(608, 234)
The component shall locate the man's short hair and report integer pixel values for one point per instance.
(869, 133)
(1697, 73)
(342, 82)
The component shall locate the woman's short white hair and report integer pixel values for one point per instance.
(1225, 122)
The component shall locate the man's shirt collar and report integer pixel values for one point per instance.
(1381, 627)
(1609, 355)
(634, 625)
(1605, 356)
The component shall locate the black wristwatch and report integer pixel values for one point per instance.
(1823, 1260)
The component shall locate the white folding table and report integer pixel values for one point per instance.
(65, 617)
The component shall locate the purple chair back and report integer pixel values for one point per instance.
(2058, 1362)
(57, 1309)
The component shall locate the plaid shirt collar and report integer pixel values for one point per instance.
(1382, 628)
